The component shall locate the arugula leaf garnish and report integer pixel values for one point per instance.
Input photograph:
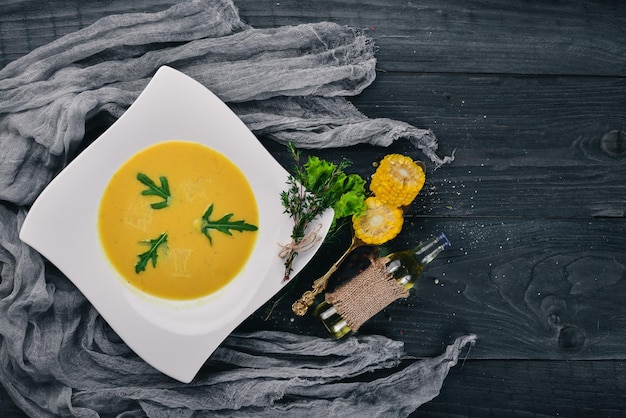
(153, 190)
(151, 254)
(223, 224)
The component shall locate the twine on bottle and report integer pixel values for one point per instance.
(366, 294)
(306, 243)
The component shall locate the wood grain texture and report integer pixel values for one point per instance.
(539, 144)
(565, 37)
(531, 99)
(28, 24)
(530, 289)
(523, 146)
(524, 389)
(495, 36)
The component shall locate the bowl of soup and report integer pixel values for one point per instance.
(178, 221)
(170, 223)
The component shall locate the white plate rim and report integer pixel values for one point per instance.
(174, 338)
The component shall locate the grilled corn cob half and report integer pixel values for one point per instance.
(380, 222)
(397, 180)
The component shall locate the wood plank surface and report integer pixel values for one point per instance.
(496, 389)
(489, 36)
(496, 36)
(531, 99)
(523, 146)
(530, 289)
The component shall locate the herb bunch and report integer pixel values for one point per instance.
(314, 187)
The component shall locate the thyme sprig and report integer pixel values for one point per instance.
(314, 187)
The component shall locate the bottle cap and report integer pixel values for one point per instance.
(443, 240)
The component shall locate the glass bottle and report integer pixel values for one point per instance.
(405, 267)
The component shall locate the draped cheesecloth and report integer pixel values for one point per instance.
(58, 357)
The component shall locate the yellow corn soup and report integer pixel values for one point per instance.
(188, 265)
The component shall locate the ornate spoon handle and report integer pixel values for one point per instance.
(301, 306)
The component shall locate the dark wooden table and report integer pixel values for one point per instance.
(531, 98)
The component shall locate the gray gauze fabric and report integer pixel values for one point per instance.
(59, 358)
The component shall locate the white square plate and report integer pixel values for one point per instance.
(174, 337)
